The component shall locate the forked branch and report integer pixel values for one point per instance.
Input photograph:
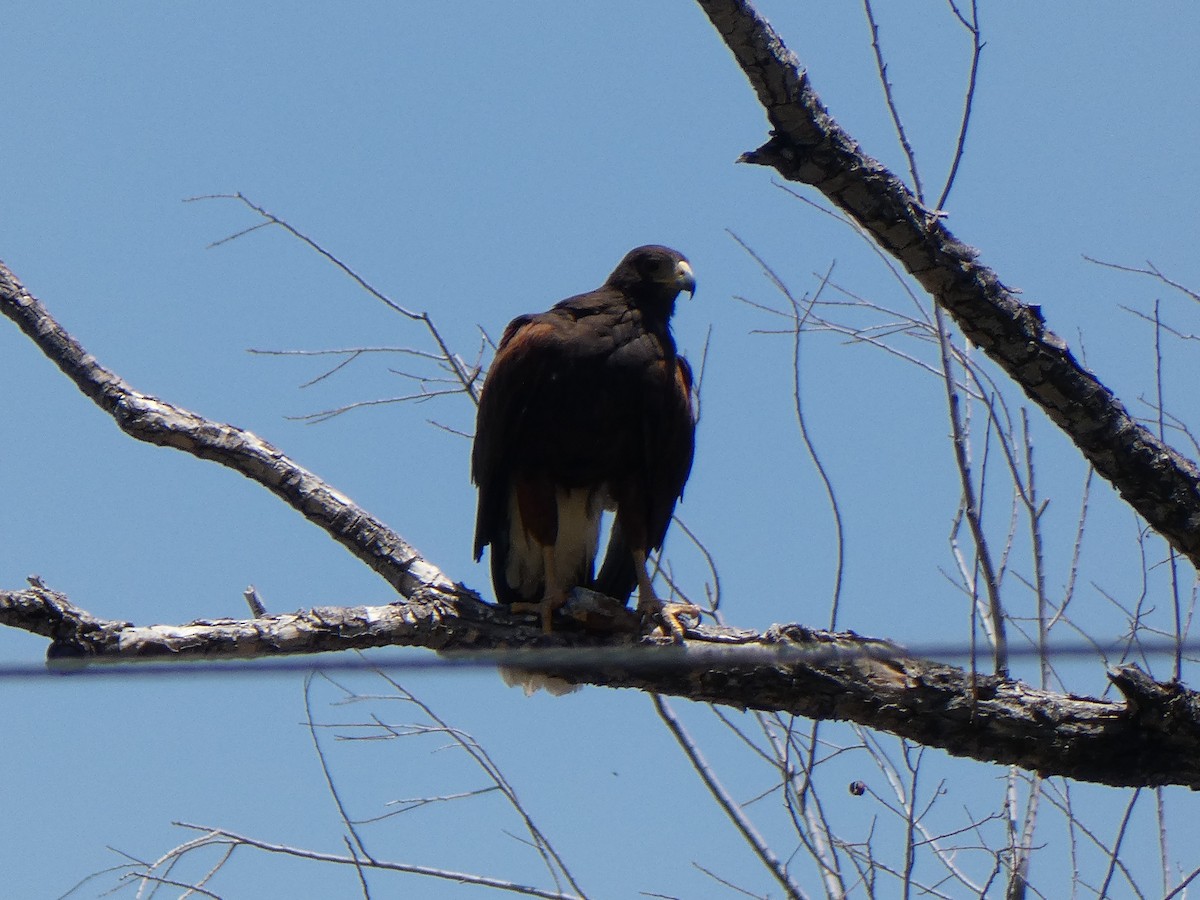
(808, 146)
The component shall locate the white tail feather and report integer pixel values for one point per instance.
(579, 512)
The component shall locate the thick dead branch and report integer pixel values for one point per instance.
(152, 420)
(1152, 738)
(808, 146)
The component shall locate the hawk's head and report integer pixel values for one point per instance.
(653, 274)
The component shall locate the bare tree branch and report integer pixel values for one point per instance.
(1150, 739)
(808, 146)
(154, 421)
(728, 805)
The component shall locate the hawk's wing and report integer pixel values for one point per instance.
(527, 349)
(670, 442)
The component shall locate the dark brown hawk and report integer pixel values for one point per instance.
(587, 407)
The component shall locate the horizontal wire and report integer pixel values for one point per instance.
(642, 659)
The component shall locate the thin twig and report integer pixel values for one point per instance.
(459, 369)
(983, 554)
(326, 414)
(1149, 269)
(1034, 510)
(1116, 848)
(724, 800)
(1172, 561)
(799, 316)
(329, 782)
(1164, 857)
(897, 123)
(977, 46)
(554, 862)
(222, 835)
(1021, 846)
(362, 875)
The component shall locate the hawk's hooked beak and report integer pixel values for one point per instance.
(684, 279)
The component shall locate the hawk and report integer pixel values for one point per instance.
(587, 407)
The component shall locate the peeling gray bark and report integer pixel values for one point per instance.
(809, 147)
(1150, 739)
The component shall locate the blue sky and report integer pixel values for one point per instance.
(478, 161)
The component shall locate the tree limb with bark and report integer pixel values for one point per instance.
(1149, 738)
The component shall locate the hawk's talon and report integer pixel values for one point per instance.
(545, 609)
(667, 617)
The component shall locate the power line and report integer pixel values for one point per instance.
(565, 659)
